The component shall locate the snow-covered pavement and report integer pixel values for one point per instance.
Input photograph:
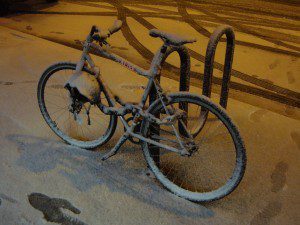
(34, 160)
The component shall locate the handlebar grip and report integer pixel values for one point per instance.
(100, 36)
(115, 27)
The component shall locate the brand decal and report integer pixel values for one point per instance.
(127, 65)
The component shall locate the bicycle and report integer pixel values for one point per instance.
(173, 124)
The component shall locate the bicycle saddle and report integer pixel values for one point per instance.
(171, 38)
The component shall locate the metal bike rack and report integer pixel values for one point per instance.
(184, 83)
(210, 58)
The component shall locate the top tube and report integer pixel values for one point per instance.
(155, 66)
(123, 62)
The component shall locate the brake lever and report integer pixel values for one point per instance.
(94, 30)
(96, 37)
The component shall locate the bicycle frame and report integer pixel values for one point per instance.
(151, 74)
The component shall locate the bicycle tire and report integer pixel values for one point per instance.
(240, 163)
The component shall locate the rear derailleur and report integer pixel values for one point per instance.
(78, 102)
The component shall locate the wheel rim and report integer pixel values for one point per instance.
(207, 187)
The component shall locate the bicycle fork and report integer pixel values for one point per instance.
(121, 141)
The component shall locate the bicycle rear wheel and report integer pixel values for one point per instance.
(53, 101)
(218, 165)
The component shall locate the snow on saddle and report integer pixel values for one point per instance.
(171, 39)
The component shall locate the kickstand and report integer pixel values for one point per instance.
(115, 149)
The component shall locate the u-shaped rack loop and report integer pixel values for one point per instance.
(185, 65)
(184, 79)
(210, 58)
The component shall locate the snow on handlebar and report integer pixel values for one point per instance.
(101, 35)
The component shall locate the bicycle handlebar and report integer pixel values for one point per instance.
(101, 36)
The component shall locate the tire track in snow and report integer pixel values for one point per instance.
(188, 18)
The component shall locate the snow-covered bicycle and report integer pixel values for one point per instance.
(198, 151)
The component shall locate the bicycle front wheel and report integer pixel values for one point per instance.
(215, 169)
(86, 130)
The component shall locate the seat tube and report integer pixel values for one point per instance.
(155, 72)
(158, 58)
